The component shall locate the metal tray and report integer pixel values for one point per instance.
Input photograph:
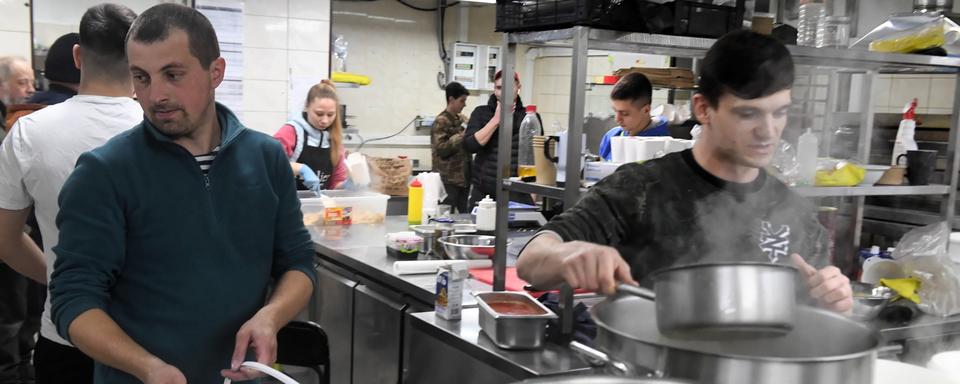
(513, 331)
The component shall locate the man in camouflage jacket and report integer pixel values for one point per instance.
(449, 156)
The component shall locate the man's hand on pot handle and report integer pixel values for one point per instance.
(828, 285)
(594, 267)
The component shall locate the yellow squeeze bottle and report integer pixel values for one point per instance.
(414, 203)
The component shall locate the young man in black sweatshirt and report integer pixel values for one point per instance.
(714, 203)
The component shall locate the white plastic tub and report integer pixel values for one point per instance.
(341, 207)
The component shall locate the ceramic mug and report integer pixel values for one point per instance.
(920, 166)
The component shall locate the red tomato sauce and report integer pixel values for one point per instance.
(515, 308)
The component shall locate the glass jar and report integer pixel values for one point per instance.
(844, 143)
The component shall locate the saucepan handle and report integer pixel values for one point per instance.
(636, 291)
(599, 359)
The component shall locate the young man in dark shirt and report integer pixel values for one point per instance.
(714, 203)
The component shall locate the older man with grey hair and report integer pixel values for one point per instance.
(16, 85)
(16, 80)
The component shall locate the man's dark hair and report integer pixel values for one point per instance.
(155, 24)
(746, 64)
(455, 90)
(103, 33)
(633, 87)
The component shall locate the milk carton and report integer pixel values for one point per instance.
(450, 280)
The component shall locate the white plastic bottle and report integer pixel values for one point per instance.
(807, 158)
(486, 214)
(905, 141)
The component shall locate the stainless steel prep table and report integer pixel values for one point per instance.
(366, 310)
(385, 321)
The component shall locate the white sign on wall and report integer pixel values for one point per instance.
(226, 16)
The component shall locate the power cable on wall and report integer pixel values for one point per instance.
(386, 137)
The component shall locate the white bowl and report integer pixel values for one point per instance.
(873, 174)
(876, 268)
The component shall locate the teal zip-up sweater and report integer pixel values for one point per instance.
(178, 259)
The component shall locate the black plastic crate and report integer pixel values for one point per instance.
(682, 17)
(693, 18)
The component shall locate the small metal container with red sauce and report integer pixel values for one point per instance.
(513, 320)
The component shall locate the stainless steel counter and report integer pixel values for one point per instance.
(551, 359)
(355, 257)
(360, 250)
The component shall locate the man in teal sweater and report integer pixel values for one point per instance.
(172, 232)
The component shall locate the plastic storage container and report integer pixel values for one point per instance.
(345, 207)
(811, 11)
(833, 31)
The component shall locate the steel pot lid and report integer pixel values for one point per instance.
(817, 336)
(602, 380)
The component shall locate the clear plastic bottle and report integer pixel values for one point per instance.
(811, 11)
(529, 127)
(807, 149)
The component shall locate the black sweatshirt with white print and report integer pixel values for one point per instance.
(670, 211)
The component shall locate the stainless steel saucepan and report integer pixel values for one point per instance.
(720, 301)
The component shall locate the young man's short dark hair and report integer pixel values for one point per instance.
(746, 64)
(103, 31)
(455, 90)
(633, 87)
(155, 24)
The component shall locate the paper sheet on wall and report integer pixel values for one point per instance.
(226, 16)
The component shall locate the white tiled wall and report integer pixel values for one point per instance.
(15, 28)
(286, 43)
(397, 48)
(934, 93)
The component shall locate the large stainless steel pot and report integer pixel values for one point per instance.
(823, 348)
(726, 300)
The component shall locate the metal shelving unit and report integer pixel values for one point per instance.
(842, 62)
(537, 189)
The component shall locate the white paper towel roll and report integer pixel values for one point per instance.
(432, 266)
(433, 191)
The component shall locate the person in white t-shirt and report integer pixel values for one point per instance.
(40, 152)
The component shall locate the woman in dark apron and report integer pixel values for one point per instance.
(313, 141)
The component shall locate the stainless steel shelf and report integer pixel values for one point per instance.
(906, 216)
(557, 192)
(540, 190)
(872, 191)
(685, 46)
